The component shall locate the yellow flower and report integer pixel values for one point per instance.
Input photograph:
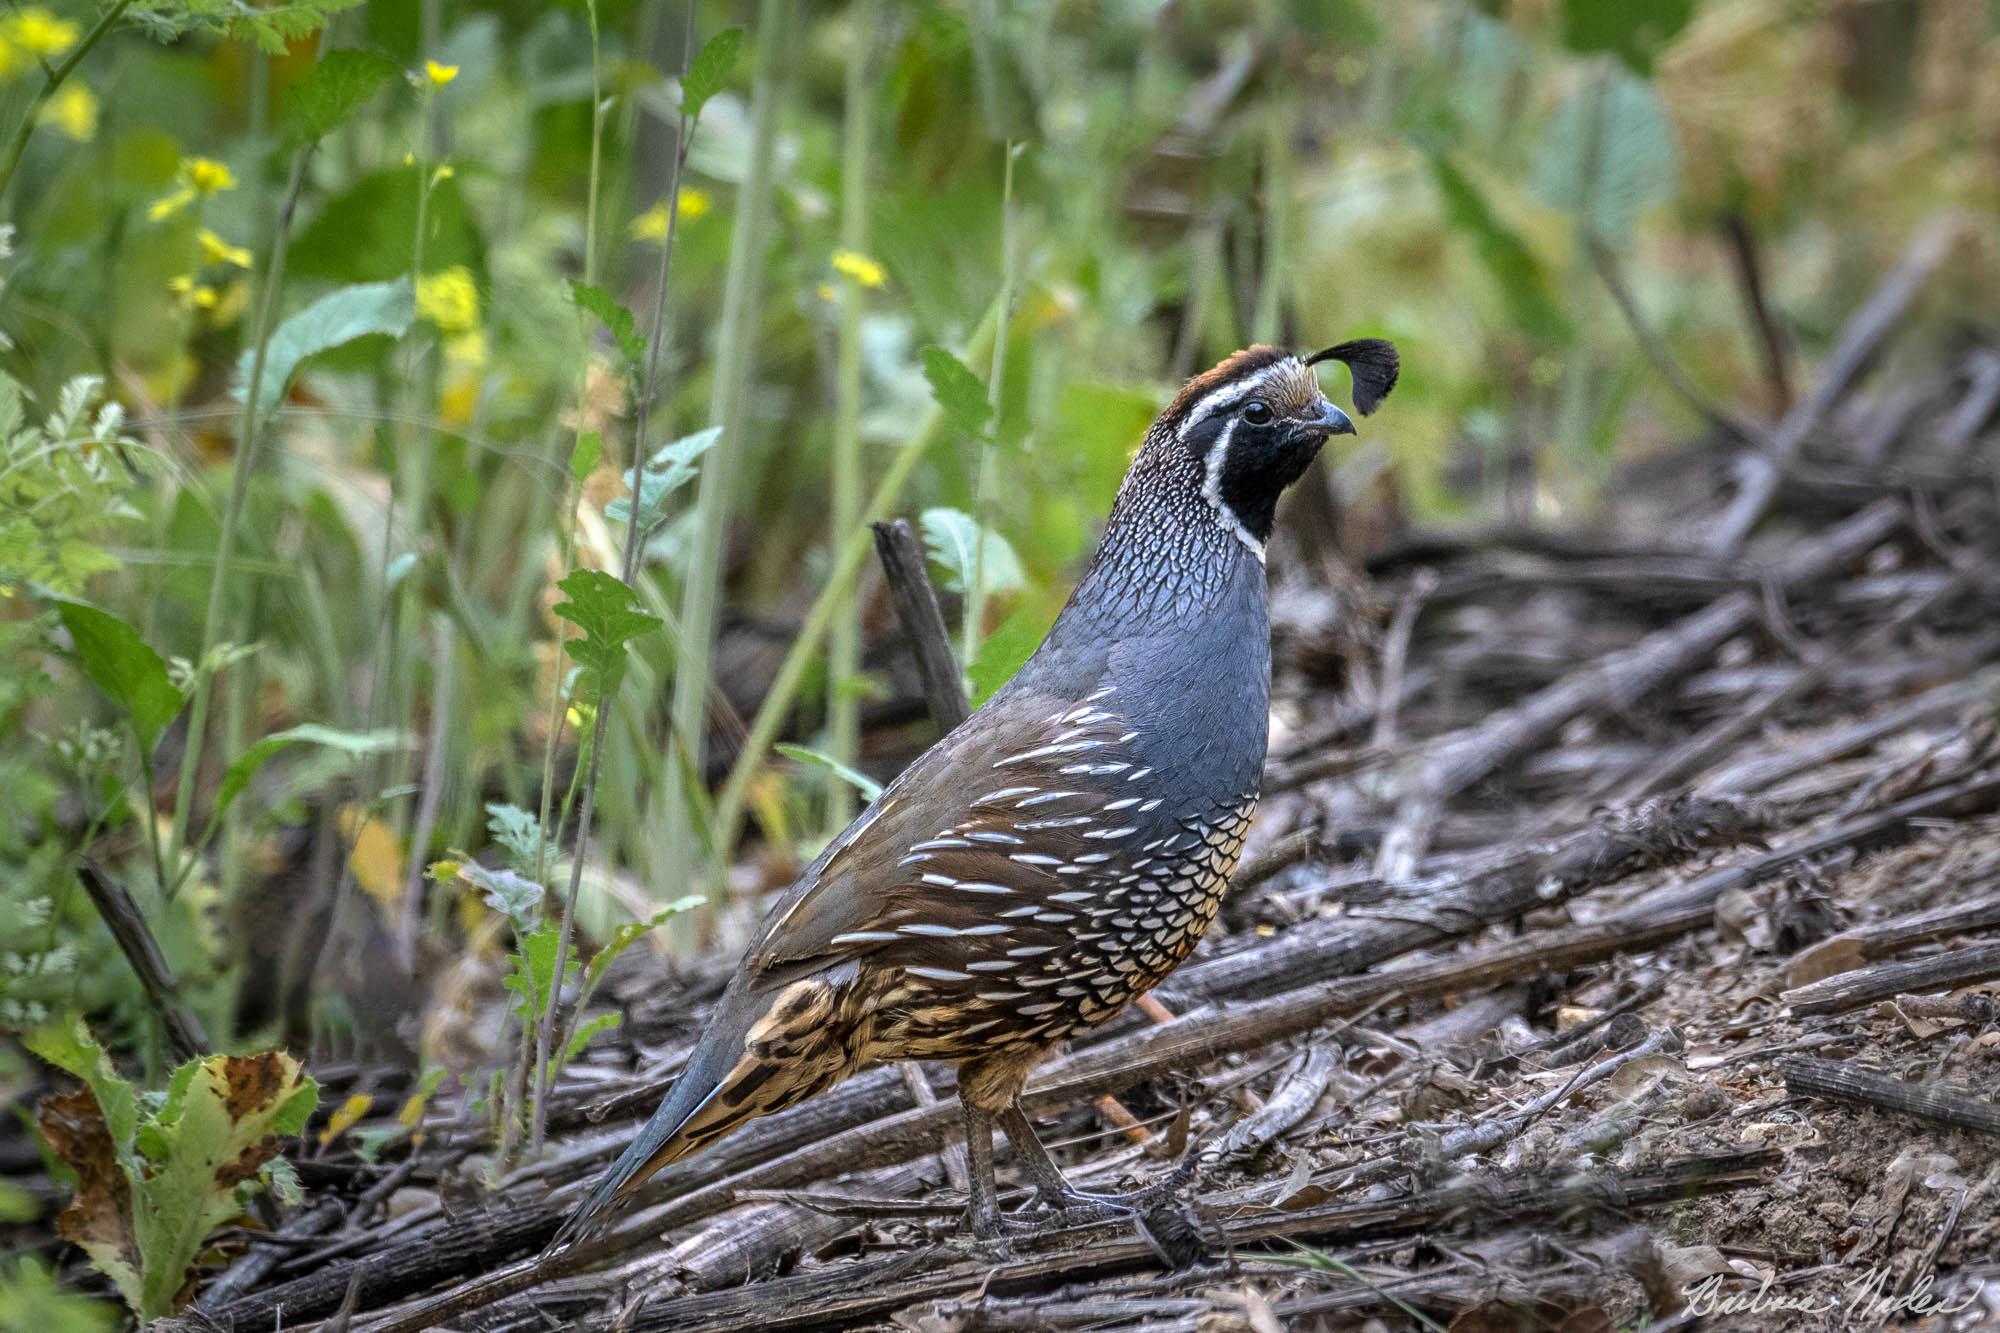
(40, 33)
(219, 251)
(194, 295)
(73, 110)
(458, 399)
(199, 176)
(209, 176)
(442, 174)
(449, 299)
(439, 75)
(468, 348)
(651, 225)
(866, 271)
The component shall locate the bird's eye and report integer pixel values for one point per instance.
(1257, 412)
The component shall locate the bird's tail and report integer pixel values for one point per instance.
(764, 1049)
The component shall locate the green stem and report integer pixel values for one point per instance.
(702, 589)
(982, 484)
(52, 80)
(1267, 321)
(249, 431)
(642, 420)
(844, 645)
(571, 495)
(847, 563)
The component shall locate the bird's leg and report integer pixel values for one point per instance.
(1163, 1219)
(1055, 1189)
(984, 1202)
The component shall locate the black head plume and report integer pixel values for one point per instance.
(1374, 364)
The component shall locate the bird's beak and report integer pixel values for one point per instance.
(1330, 421)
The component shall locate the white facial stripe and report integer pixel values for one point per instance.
(1235, 388)
(1211, 491)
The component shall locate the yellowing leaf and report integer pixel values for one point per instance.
(345, 1118)
(148, 1196)
(376, 857)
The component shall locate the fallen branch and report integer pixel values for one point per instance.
(156, 976)
(1939, 1103)
(1859, 341)
(1885, 981)
(843, 1293)
(1474, 753)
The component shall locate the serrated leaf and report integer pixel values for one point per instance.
(534, 964)
(339, 85)
(71, 1048)
(671, 467)
(1635, 31)
(616, 319)
(124, 666)
(709, 73)
(1608, 154)
(602, 607)
(336, 318)
(517, 830)
(516, 897)
(583, 458)
(957, 544)
(245, 767)
(861, 782)
(958, 391)
(205, 1145)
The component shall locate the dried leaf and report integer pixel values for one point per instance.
(1830, 957)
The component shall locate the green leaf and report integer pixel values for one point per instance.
(518, 831)
(515, 896)
(632, 931)
(1635, 31)
(614, 317)
(533, 975)
(583, 458)
(957, 543)
(1507, 258)
(124, 666)
(861, 782)
(1003, 652)
(957, 390)
(583, 1035)
(71, 1048)
(602, 607)
(144, 1210)
(710, 71)
(338, 86)
(671, 467)
(1608, 154)
(357, 743)
(222, 1133)
(336, 318)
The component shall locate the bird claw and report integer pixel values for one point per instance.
(1159, 1212)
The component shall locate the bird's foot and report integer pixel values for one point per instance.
(1160, 1212)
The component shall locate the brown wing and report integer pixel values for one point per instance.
(979, 836)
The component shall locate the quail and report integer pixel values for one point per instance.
(1063, 849)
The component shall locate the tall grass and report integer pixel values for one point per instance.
(728, 407)
(844, 642)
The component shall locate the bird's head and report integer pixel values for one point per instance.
(1255, 422)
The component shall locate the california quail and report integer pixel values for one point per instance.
(1064, 849)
